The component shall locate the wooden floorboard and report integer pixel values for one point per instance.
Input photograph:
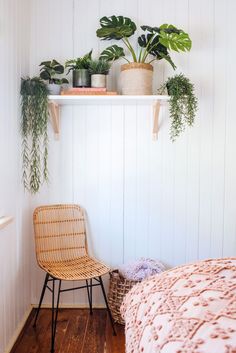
(77, 332)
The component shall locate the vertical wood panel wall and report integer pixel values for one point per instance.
(175, 202)
(15, 259)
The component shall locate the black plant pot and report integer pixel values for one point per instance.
(81, 78)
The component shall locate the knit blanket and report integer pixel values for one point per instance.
(189, 309)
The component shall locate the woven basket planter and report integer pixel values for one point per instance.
(119, 287)
(136, 79)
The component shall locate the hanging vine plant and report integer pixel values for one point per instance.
(34, 120)
(183, 103)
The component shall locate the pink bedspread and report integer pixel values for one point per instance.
(189, 309)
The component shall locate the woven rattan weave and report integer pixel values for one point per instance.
(61, 251)
(61, 243)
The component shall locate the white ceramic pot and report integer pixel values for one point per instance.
(54, 89)
(136, 79)
(98, 81)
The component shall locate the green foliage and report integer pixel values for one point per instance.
(183, 103)
(116, 27)
(151, 43)
(174, 39)
(100, 66)
(112, 53)
(79, 63)
(159, 40)
(34, 120)
(51, 68)
(156, 41)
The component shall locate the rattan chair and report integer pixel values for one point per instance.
(61, 251)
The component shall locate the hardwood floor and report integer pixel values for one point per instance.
(77, 332)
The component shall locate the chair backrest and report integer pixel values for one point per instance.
(60, 233)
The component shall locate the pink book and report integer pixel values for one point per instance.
(86, 89)
(88, 93)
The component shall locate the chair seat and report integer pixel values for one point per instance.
(81, 268)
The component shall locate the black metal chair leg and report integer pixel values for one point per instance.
(89, 292)
(57, 308)
(108, 309)
(52, 323)
(41, 298)
(91, 296)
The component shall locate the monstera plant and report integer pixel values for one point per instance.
(155, 43)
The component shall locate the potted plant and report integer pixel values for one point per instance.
(155, 44)
(34, 120)
(48, 71)
(79, 68)
(183, 103)
(99, 70)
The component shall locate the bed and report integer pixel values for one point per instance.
(189, 309)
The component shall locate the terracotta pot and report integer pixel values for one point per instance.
(136, 79)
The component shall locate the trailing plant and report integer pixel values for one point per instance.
(100, 66)
(34, 120)
(49, 69)
(79, 63)
(156, 42)
(183, 103)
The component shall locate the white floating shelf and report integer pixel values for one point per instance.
(100, 99)
(56, 101)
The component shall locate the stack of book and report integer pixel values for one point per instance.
(74, 91)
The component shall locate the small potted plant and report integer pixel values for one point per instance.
(182, 104)
(155, 44)
(48, 71)
(99, 70)
(34, 123)
(80, 72)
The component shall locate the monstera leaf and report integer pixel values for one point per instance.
(116, 27)
(112, 53)
(154, 47)
(150, 29)
(152, 44)
(151, 40)
(174, 39)
(168, 58)
(159, 40)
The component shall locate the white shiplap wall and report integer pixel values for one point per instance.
(175, 202)
(15, 245)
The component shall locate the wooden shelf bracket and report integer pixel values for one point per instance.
(156, 113)
(54, 111)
